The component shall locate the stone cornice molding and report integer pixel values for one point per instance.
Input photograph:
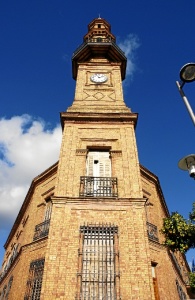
(139, 202)
(113, 118)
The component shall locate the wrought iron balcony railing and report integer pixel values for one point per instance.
(95, 40)
(180, 269)
(176, 263)
(10, 262)
(41, 230)
(98, 186)
(152, 232)
(99, 40)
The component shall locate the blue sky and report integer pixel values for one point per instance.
(37, 41)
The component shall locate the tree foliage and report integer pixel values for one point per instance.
(192, 282)
(179, 233)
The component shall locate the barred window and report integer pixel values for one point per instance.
(34, 283)
(182, 295)
(99, 265)
(4, 292)
(9, 288)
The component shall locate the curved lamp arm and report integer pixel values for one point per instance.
(185, 100)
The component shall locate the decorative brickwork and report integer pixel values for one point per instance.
(97, 181)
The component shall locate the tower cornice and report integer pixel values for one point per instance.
(113, 118)
(89, 50)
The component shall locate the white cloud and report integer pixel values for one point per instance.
(27, 148)
(129, 46)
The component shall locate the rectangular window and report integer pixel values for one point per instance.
(34, 283)
(48, 210)
(98, 181)
(155, 283)
(8, 288)
(98, 164)
(182, 295)
(99, 263)
(42, 229)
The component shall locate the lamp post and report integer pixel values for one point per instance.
(187, 163)
(187, 74)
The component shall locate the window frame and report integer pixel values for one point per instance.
(35, 278)
(98, 266)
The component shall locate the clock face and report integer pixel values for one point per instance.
(99, 78)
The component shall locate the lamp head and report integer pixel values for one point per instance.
(188, 163)
(187, 72)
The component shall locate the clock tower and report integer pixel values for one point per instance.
(89, 226)
(99, 67)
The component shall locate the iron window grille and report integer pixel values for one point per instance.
(176, 263)
(182, 295)
(180, 269)
(8, 288)
(152, 232)
(41, 230)
(34, 283)
(11, 260)
(98, 276)
(4, 292)
(98, 186)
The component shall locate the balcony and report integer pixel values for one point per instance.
(152, 232)
(98, 187)
(10, 262)
(176, 263)
(41, 230)
(180, 269)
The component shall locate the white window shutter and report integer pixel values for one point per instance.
(90, 165)
(98, 164)
(48, 211)
(107, 167)
(104, 167)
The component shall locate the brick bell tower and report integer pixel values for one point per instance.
(89, 226)
(98, 205)
(99, 220)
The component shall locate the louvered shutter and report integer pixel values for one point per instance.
(104, 165)
(98, 164)
(48, 211)
(90, 159)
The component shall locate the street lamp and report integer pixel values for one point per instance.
(187, 74)
(188, 163)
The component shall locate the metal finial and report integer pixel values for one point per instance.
(99, 17)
